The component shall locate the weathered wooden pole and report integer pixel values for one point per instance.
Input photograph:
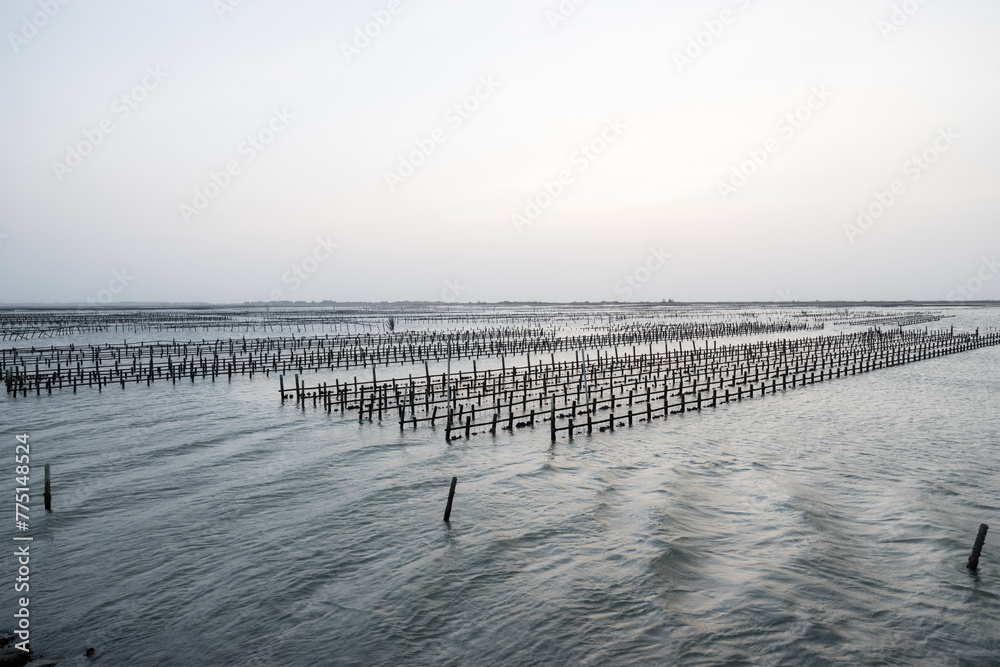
(973, 563)
(448, 392)
(451, 497)
(48, 499)
(552, 420)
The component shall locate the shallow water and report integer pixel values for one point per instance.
(208, 524)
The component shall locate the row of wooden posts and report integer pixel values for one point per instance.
(69, 366)
(30, 324)
(895, 320)
(649, 385)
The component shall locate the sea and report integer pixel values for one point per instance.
(209, 523)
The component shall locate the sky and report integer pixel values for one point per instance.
(242, 150)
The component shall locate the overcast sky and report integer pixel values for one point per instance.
(456, 150)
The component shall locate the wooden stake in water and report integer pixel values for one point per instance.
(48, 491)
(449, 373)
(552, 419)
(973, 563)
(451, 496)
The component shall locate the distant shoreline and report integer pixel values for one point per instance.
(442, 304)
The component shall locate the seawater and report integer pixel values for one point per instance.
(210, 524)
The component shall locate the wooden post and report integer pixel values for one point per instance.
(451, 497)
(552, 420)
(48, 496)
(972, 564)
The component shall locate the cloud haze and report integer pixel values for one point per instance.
(230, 151)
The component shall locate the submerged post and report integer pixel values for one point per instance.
(973, 563)
(48, 495)
(451, 496)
